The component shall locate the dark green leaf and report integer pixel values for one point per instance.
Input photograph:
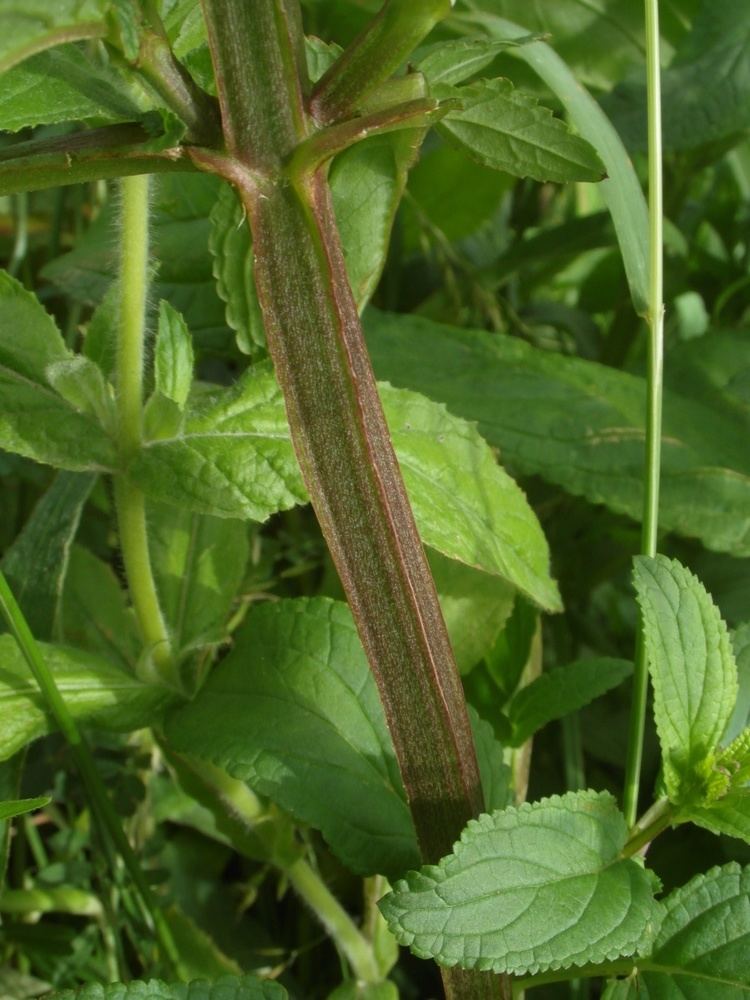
(740, 719)
(559, 692)
(532, 888)
(705, 90)
(225, 988)
(494, 772)
(294, 711)
(199, 562)
(578, 424)
(509, 131)
(455, 61)
(701, 949)
(95, 615)
(37, 562)
(93, 690)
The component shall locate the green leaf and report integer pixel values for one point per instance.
(530, 889)
(180, 209)
(509, 131)
(95, 615)
(299, 715)
(173, 360)
(34, 420)
(692, 669)
(451, 62)
(81, 383)
(93, 690)
(17, 807)
(740, 719)
(493, 771)
(465, 504)
(224, 988)
(475, 606)
(701, 949)
(559, 692)
(578, 424)
(729, 815)
(231, 247)
(621, 191)
(234, 458)
(29, 338)
(63, 85)
(199, 563)
(37, 562)
(33, 25)
(199, 954)
(11, 772)
(367, 182)
(705, 90)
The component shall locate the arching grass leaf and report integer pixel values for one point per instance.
(34, 25)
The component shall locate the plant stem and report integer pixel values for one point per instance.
(129, 500)
(97, 793)
(649, 826)
(340, 926)
(654, 404)
(241, 816)
(338, 428)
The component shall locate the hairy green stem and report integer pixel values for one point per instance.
(653, 822)
(96, 792)
(129, 500)
(654, 403)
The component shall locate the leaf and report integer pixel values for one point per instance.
(729, 815)
(692, 668)
(95, 615)
(199, 563)
(11, 772)
(454, 61)
(475, 606)
(231, 247)
(34, 25)
(466, 506)
(37, 562)
(530, 889)
(367, 182)
(509, 131)
(559, 692)
(17, 807)
(173, 359)
(34, 420)
(234, 458)
(701, 949)
(199, 954)
(299, 715)
(81, 383)
(63, 85)
(224, 988)
(705, 90)
(180, 208)
(621, 191)
(740, 719)
(494, 772)
(93, 691)
(577, 423)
